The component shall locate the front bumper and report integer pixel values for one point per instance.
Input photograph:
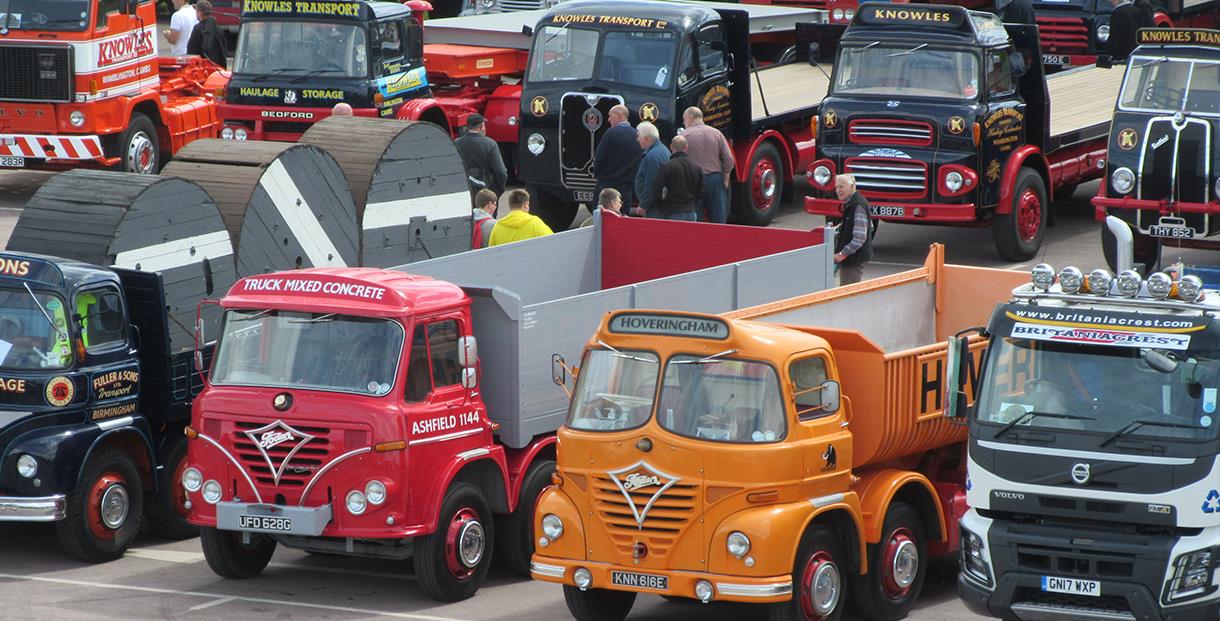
(33, 508)
(1102, 203)
(51, 147)
(681, 583)
(931, 213)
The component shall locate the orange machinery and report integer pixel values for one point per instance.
(787, 454)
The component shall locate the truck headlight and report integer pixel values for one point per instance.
(552, 526)
(848, 14)
(211, 492)
(954, 181)
(583, 578)
(375, 492)
(821, 175)
(1128, 283)
(837, 14)
(1192, 575)
(192, 479)
(356, 502)
(535, 143)
(1099, 282)
(226, 133)
(1123, 180)
(1217, 188)
(486, 6)
(1071, 279)
(27, 466)
(974, 558)
(1103, 33)
(77, 118)
(738, 544)
(240, 133)
(1160, 285)
(1190, 288)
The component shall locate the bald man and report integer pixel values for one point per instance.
(341, 109)
(678, 186)
(617, 156)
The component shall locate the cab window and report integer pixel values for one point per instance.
(711, 50)
(389, 37)
(999, 73)
(807, 376)
(104, 9)
(100, 314)
(434, 359)
(687, 69)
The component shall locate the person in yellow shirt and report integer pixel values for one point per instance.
(519, 224)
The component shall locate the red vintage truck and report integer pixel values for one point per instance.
(350, 410)
(82, 85)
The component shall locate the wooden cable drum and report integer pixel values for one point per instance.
(142, 222)
(286, 205)
(408, 182)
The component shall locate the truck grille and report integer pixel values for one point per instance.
(1063, 35)
(577, 180)
(521, 5)
(1191, 182)
(36, 73)
(1064, 561)
(890, 131)
(663, 522)
(286, 127)
(889, 177)
(581, 126)
(305, 463)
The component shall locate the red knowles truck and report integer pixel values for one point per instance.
(82, 84)
(350, 410)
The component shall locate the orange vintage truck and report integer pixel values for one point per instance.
(785, 454)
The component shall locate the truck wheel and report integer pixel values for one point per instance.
(104, 510)
(452, 562)
(556, 213)
(1018, 234)
(1147, 250)
(139, 148)
(168, 513)
(756, 201)
(820, 580)
(897, 565)
(230, 558)
(516, 539)
(598, 604)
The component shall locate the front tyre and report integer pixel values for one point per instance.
(598, 604)
(756, 201)
(452, 562)
(1018, 234)
(516, 539)
(230, 558)
(819, 580)
(104, 510)
(138, 147)
(168, 514)
(897, 565)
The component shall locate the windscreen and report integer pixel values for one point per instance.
(308, 350)
(615, 390)
(641, 59)
(1105, 391)
(297, 49)
(906, 69)
(55, 15)
(721, 399)
(1161, 84)
(28, 340)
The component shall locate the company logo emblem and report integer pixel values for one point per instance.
(592, 119)
(60, 391)
(830, 119)
(638, 476)
(538, 105)
(993, 171)
(1008, 495)
(1211, 504)
(1161, 509)
(290, 97)
(1081, 473)
(125, 48)
(648, 112)
(270, 436)
(957, 125)
(1127, 139)
(831, 457)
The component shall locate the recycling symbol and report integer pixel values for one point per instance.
(1212, 503)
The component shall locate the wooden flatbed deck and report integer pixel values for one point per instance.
(786, 88)
(1083, 98)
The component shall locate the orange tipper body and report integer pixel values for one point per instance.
(709, 456)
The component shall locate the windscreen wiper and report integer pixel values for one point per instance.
(707, 359)
(254, 316)
(855, 50)
(275, 72)
(315, 72)
(1136, 424)
(618, 354)
(908, 52)
(58, 330)
(319, 319)
(1032, 414)
(1154, 61)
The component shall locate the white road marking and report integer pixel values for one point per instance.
(294, 209)
(206, 605)
(168, 556)
(400, 212)
(239, 598)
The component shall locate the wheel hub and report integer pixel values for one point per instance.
(465, 543)
(140, 154)
(764, 184)
(1029, 214)
(108, 505)
(821, 587)
(471, 543)
(115, 505)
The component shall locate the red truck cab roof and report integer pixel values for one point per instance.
(346, 290)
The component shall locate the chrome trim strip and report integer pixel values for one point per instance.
(471, 454)
(548, 571)
(33, 508)
(1043, 450)
(334, 462)
(754, 590)
(449, 436)
(1030, 611)
(823, 501)
(233, 459)
(107, 425)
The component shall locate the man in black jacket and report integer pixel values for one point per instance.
(853, 246)
(617, 156)
(206, 39)
(678, 186)
(1015, 11)
(485, 167)
(1125, 22)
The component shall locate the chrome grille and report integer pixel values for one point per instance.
(665, 521)
(890, 131)
(305, 463)
(577, 179)
(889, 178)
(36, 73)
(1064, 35)
(521, 5)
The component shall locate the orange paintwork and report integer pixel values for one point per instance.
(457, 62)
(885, 433)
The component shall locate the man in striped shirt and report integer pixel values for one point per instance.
(853, 247)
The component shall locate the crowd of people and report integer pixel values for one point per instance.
(193, 30)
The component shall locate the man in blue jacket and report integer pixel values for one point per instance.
(655, 155)
(617, 156)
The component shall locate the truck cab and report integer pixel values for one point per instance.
(296, 60)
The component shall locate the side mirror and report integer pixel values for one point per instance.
(831, 396)
(559, 370)
(470, 378)
(468, 351)
(954, 397)
(813, 53)
(1105, 61)
(199, 341)
(1016, 62)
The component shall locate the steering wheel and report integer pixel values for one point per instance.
(1164, 97)
(573, 58)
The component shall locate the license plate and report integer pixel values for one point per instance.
(258, 522)
(639, 581)
(12, 161)
(1074, 586)
(887, 211)
(1054, 59)
(1177, 232)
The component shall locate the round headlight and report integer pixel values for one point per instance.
(582, 578)
(550, 3)
(535, 143)
(1123, 180)
(211, 492)
(552, 526)
(356, 502)
(821, 175)
(953, 181)
(240, 133)
(1070, 279)
(77, 118)
(1160, 285)
(1217, 189)
(1128, 283)
(27, 466)
(1043, 276)
(704, 591)
(837, 14)
(1099, 282)
(192, 479)
(375, 492)
(848, 14)
(738, 544)
(1190, 288)
(1103, 33)
(227, 133)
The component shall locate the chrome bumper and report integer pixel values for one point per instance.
(33, 508)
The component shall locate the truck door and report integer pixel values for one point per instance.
(113, 373)
(439, 408)
(832, 454)
(703, 77)
(1004, 125)
(391, 65)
